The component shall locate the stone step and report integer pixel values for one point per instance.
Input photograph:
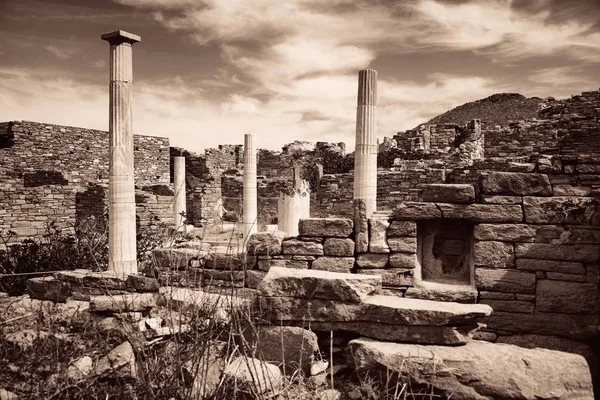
(217, 305)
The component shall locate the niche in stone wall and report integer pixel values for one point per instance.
(446, 251)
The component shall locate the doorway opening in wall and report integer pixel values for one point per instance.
(446, 251)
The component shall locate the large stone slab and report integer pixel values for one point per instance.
(482, 212)
(390, 310)
(478, 370)
(494, 254)
(566, 325)
(448, 193)
(585, 253)
(314, 284)
(564, 267)
(422, 334)
(562, 210)
(176, 258)
(124, 303)
(515, 183)
(334, 264)
(326, 227)
(48, 288)
(523, 233)
(101, 280)
(443, 292)
(416, 210)
(302, 247)
(566, 297)
(505, 280)
(265, 243)
(338, 247)
(378, 235)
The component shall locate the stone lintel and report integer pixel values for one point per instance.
(120, 36)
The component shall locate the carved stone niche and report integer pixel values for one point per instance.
(445, 251)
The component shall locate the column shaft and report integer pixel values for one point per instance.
(179, 200)
(250, 208)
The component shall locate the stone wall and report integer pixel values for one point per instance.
(60, 173)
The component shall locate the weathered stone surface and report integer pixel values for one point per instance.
(292, 348)
(562, 210)
(205, 376)
(493, 199)
(505, 232)
(566, 297)
(6, 395)
(494, 254)
(265, 265)
(309, 284)
(440, 292)
(496, 295)
(482, 212)
(402, 229)
(372, 260)
(326, 227)
(124, 303)
(570, 190)
(510, 305)
(81, 368)
(378, 235)
(392, 276)
(550, 266)
(361, 225)
(566, 325)
(265, 243)
(254, 375)
(334, 264)
(422, 334)
(140, 283)
(559, 276)
(176, 258)
(416, 210)
(505, 280)
(301, 247)
(390, 310)
(225, 259)
(448, 193)
(567, 252)
(338, 247)
(253, 278)
(220, 275)
(48, 288)
(120, 362)
(514, 183)
(403, 244)
(592, 274)
(477, 370)
(100, 280)
(403, 260)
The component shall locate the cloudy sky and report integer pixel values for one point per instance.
(209, 71)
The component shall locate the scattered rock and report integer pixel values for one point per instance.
(205, 376)
(254, 375)
(81, 368)
(318, 367)
(120, 361)
(330, 394)
(6, 395)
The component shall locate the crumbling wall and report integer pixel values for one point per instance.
(52, 173)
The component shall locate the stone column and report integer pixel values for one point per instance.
(293, 207)
(250, 194)
(179, 205)
(365, 155)
(122, 254)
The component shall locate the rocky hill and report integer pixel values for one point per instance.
(497, 109)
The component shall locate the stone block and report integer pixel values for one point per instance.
(48, 288)
(482, 212)
(566, 325)
(372, 260)
(253, 375)
(326, 227)
(566, 297)
(506, 232)
(119, 362)
(265, 243)
(176, 258)
(392, 276)
(124, 303)
(559, 276)
(586, 253)
(416, 210)
(510, 305)
(496, 295)
(140, 283)
(570, 190)
(493, 199)
(441, 292)
(516, 184)
(338, 247)
(301, 247)
(226, 260)
(403, 260)
(562, 210)
(317, 284)
(403, 244)
(378, 235)
(402, 229)
(361, 226)
(334, 264)
(494, 254)
(253, 278)
(500, 280)
(265, 265)
(448, 193)
(102, 280)
(592, 274)
(550, 266)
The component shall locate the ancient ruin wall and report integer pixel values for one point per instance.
(60, 173)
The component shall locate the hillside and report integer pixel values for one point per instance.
(497, 109)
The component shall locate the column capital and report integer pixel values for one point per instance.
(118, 37)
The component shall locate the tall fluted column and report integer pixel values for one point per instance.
(293, 206)
(122, 254)
(179, 205)
(365, 155)
(250, 194)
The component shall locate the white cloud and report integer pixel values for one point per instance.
(559, 81)
(58, 52)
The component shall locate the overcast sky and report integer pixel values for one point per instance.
(209, 71)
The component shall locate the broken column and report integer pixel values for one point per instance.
(179, 208)
(293, 205)
(122, 254)
(365, 155)
(250, 202)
